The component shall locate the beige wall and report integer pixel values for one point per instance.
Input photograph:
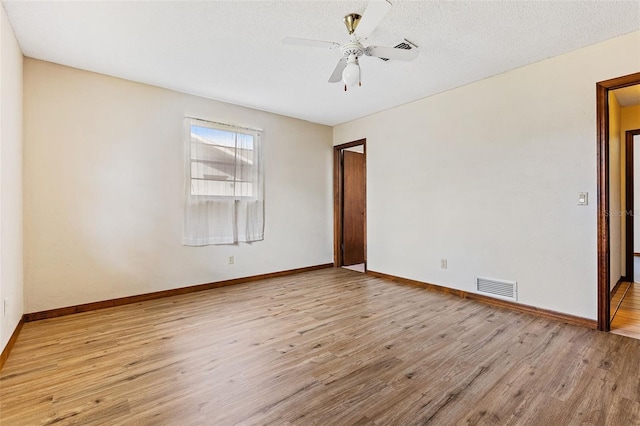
(616, 201)
(11, 268)
(103, 182)
(487, 176)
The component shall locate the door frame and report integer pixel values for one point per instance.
(338, 202)
(629, 202)
(602, 122)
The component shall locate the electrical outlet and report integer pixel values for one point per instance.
(5, 306)
(231, 260)
(443, 263)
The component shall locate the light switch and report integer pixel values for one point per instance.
(583, 198)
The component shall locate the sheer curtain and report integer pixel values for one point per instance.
(224, 190)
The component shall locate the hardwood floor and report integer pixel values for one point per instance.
(626, 321)
(329, 347)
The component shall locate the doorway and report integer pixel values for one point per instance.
(604, 209)
(350, 205)
(625, 296)
(632, 174)
(633, 232)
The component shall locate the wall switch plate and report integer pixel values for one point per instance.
(5, 306)
(231, 260)
(583, 198)
(443, 263)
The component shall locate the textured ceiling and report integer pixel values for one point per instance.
(232, 50)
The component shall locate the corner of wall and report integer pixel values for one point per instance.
(11, 141)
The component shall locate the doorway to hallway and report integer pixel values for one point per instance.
(350, 242)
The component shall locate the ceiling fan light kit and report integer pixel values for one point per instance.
(351, 72)
(348, 68)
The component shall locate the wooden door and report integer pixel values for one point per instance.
(353, 191)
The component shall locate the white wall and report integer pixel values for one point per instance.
(11, 275)
(103, 180)
(487, 176)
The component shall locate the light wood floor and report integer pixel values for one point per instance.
(329, 347)
(626, 320)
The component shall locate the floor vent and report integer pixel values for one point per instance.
(402, 45)
(497, 288)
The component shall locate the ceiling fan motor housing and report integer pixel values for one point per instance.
(353, 48)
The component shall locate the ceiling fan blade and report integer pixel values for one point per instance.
(391, 53)
(376, 10)
(337, 72)
(311, 43)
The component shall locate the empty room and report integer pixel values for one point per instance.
(319, 212)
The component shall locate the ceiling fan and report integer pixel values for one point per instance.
(359, 28)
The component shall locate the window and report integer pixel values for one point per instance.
(224, 191)
(222, 161)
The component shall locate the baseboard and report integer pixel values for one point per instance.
(10, 343)
(615, 288)
(58, 312)
(545, 313)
